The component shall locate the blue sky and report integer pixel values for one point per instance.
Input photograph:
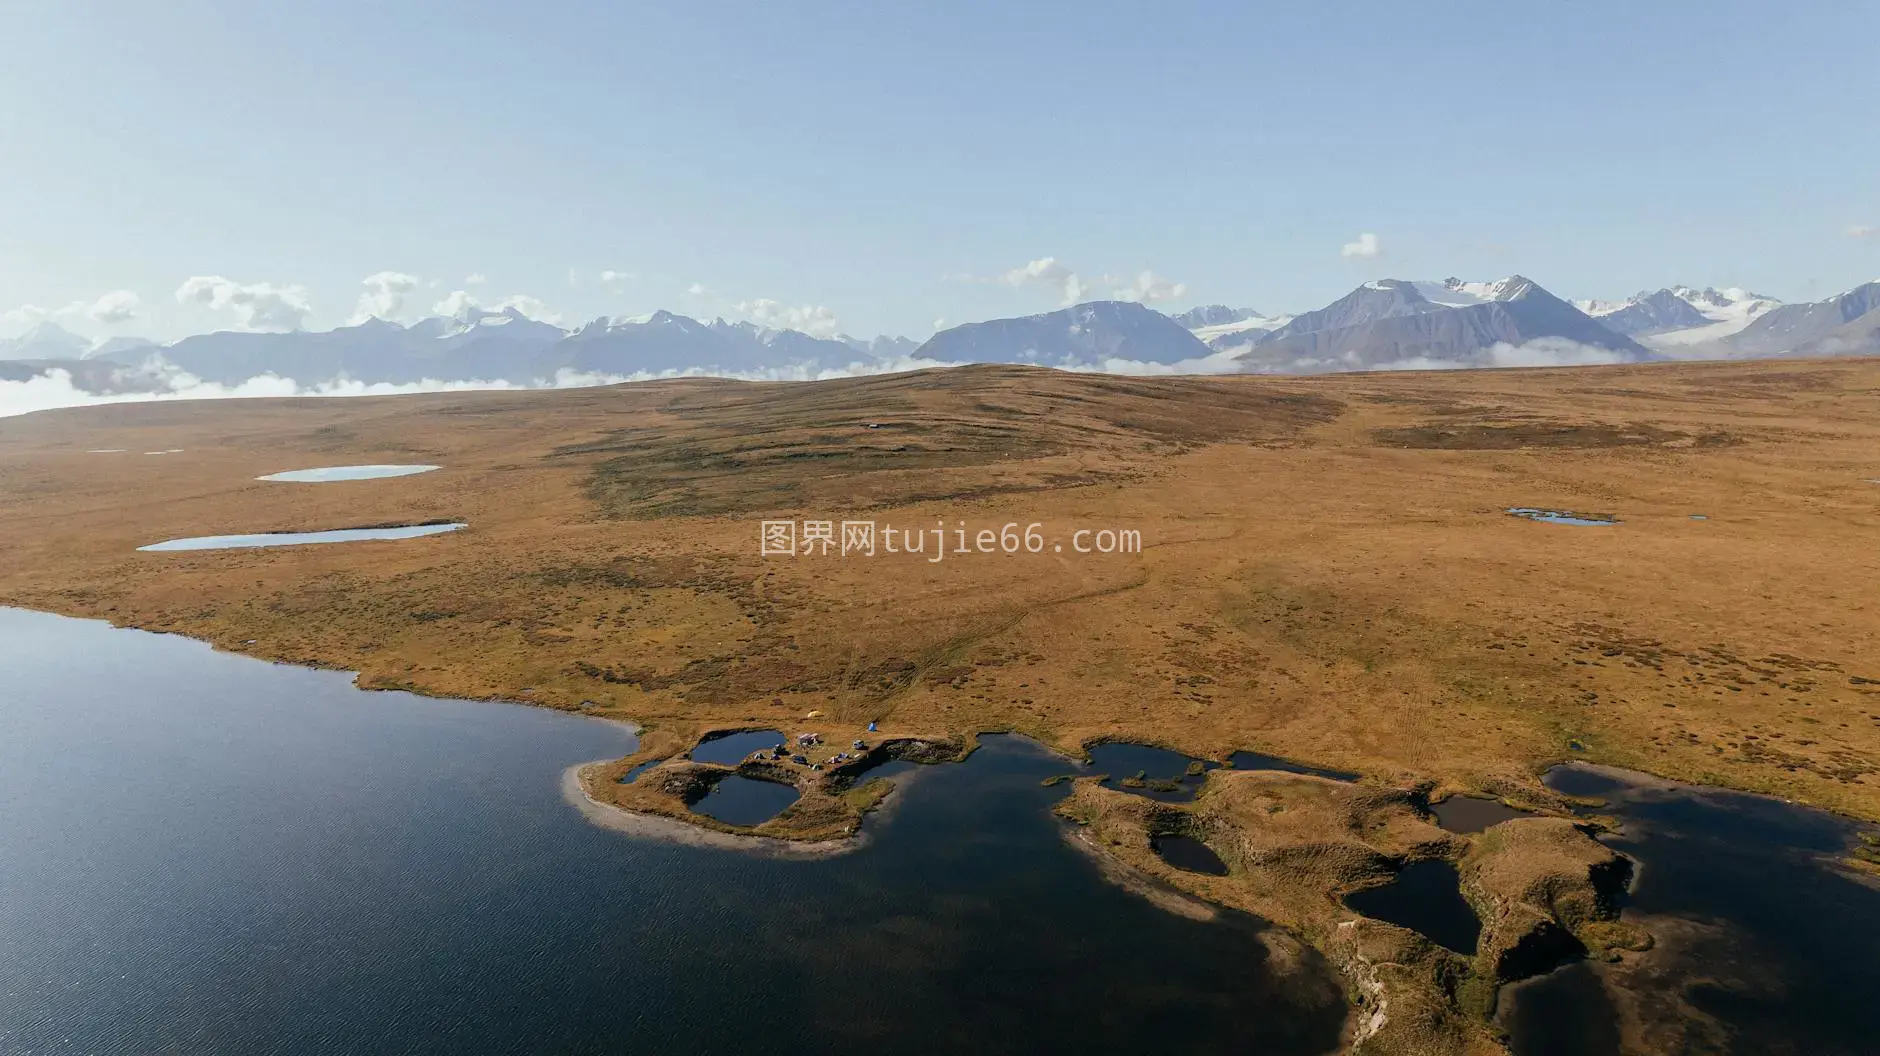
(878, 166)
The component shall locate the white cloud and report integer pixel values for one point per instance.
(257, 306)
(475, 278)
(697, 289)
(812, 319)
(1863, 231)
(162, 381)
(385, 296)
(527, 305)
(461, 304)
(1364, 248)
(1540, 352)
(1048, 272)
(1147, 289)
(118, 306)
(30, 314)
(456, 304)
(613, 280)
(940, 324)
(1053, 274)
(165, 382)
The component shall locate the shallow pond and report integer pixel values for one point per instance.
(1556, 516)
(1764, 943)
(1185, 852)
(1261, 761)
(206, 853)
(1473, 813)
(637, 769)
(1425, 897)
(330, 474)
(343, 535)
(1164, 773)
(732, 748)
(739, 800)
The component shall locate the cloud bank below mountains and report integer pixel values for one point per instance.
(158, 380)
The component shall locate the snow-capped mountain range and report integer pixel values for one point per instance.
(1402, 323)
(1681, 317)
(505, 346)
(1382, 324)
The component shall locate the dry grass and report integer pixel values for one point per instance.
(1327, 573)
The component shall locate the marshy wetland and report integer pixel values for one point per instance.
(1327, 574)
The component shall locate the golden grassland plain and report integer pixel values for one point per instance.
(1327, 573)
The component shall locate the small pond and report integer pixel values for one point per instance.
(740, 800)
(1261, 761)
(1144, 770)
(731, 748)
(1425, 897)
(329, 474)
(1473, 813)
(1557, 516)
(344, 535)
(638, 769)
(1185, 852)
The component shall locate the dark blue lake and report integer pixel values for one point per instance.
(202, 853)
(1764, 943)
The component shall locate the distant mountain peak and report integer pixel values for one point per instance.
(1716, 298)
(1389, 322)
(47, 332)
(1083, 334)
(1214, 315)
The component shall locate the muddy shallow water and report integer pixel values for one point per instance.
(205, 853)
(1473, 813)
(1558, 517)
